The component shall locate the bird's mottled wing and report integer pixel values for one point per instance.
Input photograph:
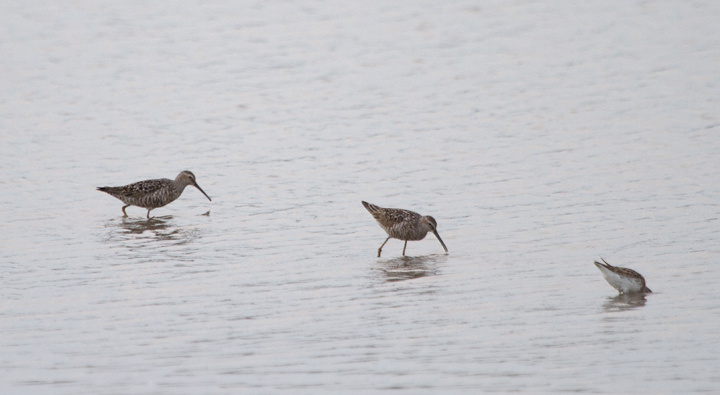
(388, 218)
(623, 271)
(137, 189)
(394, 216)
(627, 272)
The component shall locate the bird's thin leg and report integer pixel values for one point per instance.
(148, 214)
(383, 244)
(404, 247)
(124, 207)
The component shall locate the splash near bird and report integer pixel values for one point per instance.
(151, 194)
(403, 224)
(625, 280)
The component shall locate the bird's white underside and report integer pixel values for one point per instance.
(621, 283)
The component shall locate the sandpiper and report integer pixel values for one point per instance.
(152, 194)
(624, 280)
(403, 224)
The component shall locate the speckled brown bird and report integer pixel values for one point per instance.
(623, 279)
(403, 224)
(151, 194)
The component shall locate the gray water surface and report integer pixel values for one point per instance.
(541, 136)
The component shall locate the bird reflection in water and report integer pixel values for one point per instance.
(408, 268)
(130, 231)
(624, 302)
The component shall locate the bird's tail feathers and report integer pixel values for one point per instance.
(606, 264)
(371, 207)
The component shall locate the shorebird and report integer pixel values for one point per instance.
(624, 280)
(152, 194)
(403, 224)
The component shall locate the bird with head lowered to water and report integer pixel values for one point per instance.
(403, 224)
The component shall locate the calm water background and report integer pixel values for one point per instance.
(540, 135)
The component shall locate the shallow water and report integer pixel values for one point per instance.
(540, 136)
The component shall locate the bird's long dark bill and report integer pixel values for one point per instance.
(203, 192)
(441, 242)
